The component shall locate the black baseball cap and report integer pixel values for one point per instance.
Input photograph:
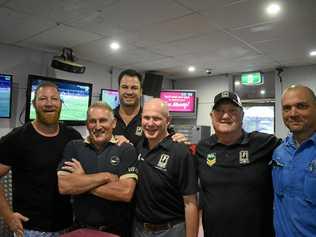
(227, 95)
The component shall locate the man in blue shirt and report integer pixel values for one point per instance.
(294, 166)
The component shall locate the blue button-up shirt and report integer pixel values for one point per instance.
(294, 182)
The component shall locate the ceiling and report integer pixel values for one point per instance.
(167, 36)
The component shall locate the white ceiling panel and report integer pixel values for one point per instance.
(133, 15)
(16, 26)
(174, 30)
(59, 37)
(245, 13)
(60, 10)
(205, 44)
(204, 5)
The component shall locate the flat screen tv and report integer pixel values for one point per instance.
(5, 95)
(259, 118)
(182, 103)
(75, 96)
(111, 97)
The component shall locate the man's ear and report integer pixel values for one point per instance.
(169, 120)
(114, 123)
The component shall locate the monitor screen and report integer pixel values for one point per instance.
(181, 102)
(75, 96)
(5, 95)
(111, 97)
(259, 118)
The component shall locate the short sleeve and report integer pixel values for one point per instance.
(128, 159)
(8, 147)
(187, 179)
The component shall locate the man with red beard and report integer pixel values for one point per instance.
(32, 152)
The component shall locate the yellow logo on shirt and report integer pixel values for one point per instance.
(211, 159)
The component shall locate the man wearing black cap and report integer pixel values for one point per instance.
(235, 176)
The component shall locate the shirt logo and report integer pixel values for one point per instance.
(114, 160)
(211, 159)
(162, 163)
(140, 157)
(139, 131)
(244, 157)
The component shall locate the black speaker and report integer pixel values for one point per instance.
(152, 84)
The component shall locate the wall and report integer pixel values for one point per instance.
(207, 88)
(21, 62)
(304, 75)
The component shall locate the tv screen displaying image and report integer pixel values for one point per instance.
(5, 95)
(111, 97)
(259, 118)
(181, 103)
(75, 96)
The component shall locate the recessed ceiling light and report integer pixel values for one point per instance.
(312, 53)
(191, 69)
(115, 45)
(273, 9)
(237, 83)
(263, 92)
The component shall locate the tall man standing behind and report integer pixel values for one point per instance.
(166, 193)
(294, 166)
(236, 185)
(33, 152)
(128, 114)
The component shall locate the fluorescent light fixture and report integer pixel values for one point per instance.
(273, 9)
(115, 45)
(312, 53)
(191, 69)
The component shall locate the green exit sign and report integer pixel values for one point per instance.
(251, 78)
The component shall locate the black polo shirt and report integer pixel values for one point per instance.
(133, 131)
(236, 186)
(166, 174)
(120, 160)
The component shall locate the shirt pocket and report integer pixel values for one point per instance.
(310, 183)
(278, 168)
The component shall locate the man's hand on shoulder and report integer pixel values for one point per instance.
(180, 138)
(120, 139)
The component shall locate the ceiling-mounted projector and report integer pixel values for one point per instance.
(66, 62)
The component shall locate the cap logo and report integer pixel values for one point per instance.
(225, 94)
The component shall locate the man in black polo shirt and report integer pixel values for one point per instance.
(235, 176)
(166, 193)
(128, 114)
(100, 175)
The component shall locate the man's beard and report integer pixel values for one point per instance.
(134, 104)
(48, 118)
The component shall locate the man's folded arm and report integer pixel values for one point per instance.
(120, 190)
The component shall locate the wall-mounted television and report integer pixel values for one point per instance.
(111, 97)
(259, 117)
(5, 95)
(182, 103)
(75, 96)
